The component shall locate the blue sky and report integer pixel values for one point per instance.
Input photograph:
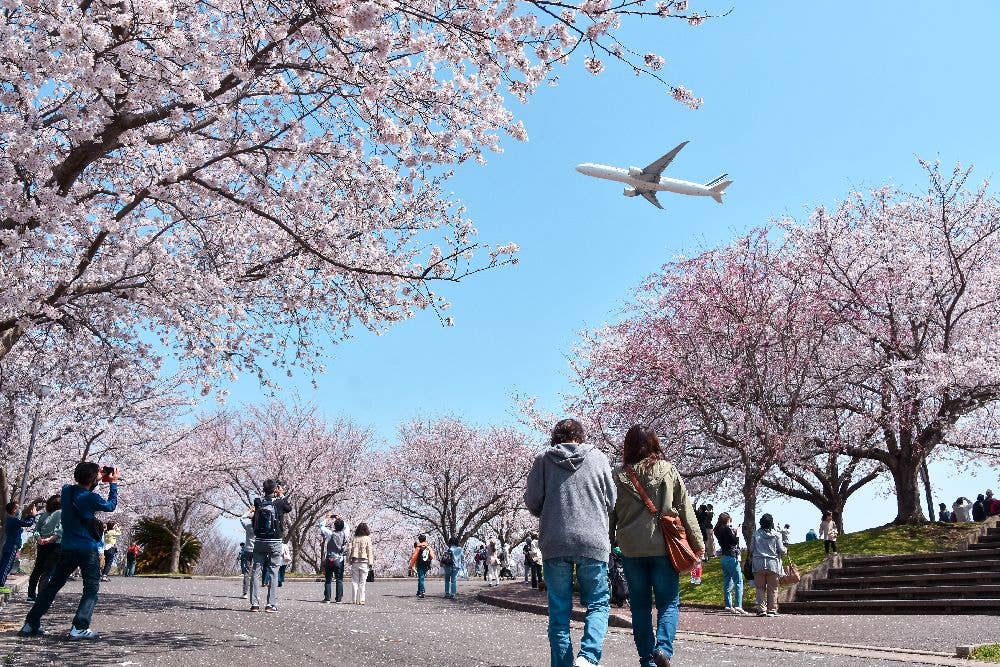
(803, 102)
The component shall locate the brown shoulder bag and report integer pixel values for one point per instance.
(674, 536)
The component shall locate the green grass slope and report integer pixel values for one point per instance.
(881, 541)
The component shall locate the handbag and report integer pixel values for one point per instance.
(675, 539)
(791, 575)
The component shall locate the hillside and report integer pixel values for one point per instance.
(881, 541)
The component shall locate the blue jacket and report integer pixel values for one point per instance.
(13, 536)
(78, 509)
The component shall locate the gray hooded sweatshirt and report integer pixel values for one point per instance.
(571, 490)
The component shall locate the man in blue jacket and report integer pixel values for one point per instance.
(80, 548)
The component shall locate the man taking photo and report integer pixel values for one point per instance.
(268, 529)
(81, 548)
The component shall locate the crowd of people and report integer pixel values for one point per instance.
(964, 511)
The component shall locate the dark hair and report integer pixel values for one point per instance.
(268, 486)
(980, 497)
(723, 520)
(421, 538)
(567, 430)
(338, 524)
(111, 525)
(641, 443)
(362, 530)
(243, 544)
(53, 503)
(942, 505)
(11, 507)
(767, 522)
(453, 542)
(86, 473)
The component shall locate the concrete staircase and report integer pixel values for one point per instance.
(965, 581)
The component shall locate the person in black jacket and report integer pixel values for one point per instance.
(729, 556)
(979, 508)
(268, 529)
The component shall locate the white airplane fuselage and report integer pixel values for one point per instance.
(628, 177)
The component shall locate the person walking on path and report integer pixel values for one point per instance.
(648, 569)
(962, 509)
(111, 536)
(246, 551)
(451, 560)
(14, 536)
(335, 541)
(268, 527)
(732, 573)
(493, 562)
(571, 490)
(286, 560)
(767, 550)
(48, 535)
(80, 549)
(533, 559)
(420, 562)
(828, 532)
(131, 555)
(361, 558)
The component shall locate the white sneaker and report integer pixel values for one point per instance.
(729, 609)
(740, 611)
(583, 662)
(76, 633)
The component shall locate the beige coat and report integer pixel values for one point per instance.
(361, 549)
(637, 531)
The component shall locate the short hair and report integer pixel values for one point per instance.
(11, 507)
(53, 503)
(421, 537)
(767, 522)
(641, 443)
(269, 486)
(362, 530)
(86, 473)
(567, 430)
(110, 525)
(243, 544)
(453, 542)
(980, 497)
(338, 524)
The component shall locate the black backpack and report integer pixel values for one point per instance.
(265, 518)
(424, 556)
(447, 558)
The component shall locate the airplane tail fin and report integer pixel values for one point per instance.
(718, 186)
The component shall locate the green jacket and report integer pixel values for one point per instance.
(634, 527)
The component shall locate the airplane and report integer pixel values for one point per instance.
(647, 182)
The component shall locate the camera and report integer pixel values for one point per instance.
(106, 472)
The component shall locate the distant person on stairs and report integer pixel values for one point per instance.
(992, 504)
(962, 510)
(979, 512)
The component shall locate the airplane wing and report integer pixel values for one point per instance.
(653, 171)
(650, 196)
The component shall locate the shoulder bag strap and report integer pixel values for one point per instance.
(642, 491)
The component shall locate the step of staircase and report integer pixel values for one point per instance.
(991, 553)
(971, 578)
(980, 546)
(974, 565)
(988, 592)
(894, 606)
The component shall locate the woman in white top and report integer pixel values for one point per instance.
(361, 558)
(493, 562)
(828, 532)
(962, 509)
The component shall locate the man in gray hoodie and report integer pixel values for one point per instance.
(571, 490)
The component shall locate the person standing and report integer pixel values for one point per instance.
(80, 549)
(246, 551)
(110, 549)
(48, 535)
(335, 541)
(991, 504)
(979, 512)
(451, 560)
(268, 527)
(786, 534)
(361, 557)
(962, 510)
(14, 536)
(420, 562)
(767, 551)
(732, 573)
(131, 555)
(709, 534)
(286, 560)
(828, 532)
(648, 569)
(533, 558)
(493, 562)
(571, 490)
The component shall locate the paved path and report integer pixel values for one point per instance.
(202, 622)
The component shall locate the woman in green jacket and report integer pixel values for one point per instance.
(648, 569)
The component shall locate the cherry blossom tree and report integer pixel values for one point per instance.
(452, 478)
(912, 280)
(240, 180)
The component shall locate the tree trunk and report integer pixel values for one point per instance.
(749, 513)
(926, 475)
(175, 551)
(905, 478)
(4, 499)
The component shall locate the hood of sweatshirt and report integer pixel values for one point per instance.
(569, 455)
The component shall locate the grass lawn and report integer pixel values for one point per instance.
(986, 653)
(882, 541)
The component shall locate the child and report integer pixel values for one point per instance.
(696, 575)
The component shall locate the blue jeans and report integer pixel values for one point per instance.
(732, 578)
(89, 563)
(421, 576)
(450, 580)
(6, 563)
(267, 558)
(593, 577)
(648, 577)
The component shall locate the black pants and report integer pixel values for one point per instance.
(89, 563)
(333, 570)
(109, 560)
(45, 562)
(536, 573)
(830, 544)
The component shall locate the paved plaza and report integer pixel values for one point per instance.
(204, 622)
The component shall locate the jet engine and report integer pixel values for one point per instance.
(634, 172)
(630, 192)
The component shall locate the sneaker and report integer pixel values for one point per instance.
(729, 609)
(254, 608)
(324, 602)
(660, 659)
(772, 613)
(77, 633)
(244, 597)
(583, 662)
(28, 631)
(740, 611)
(105, 577)
(271, 609)
(761, 613)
